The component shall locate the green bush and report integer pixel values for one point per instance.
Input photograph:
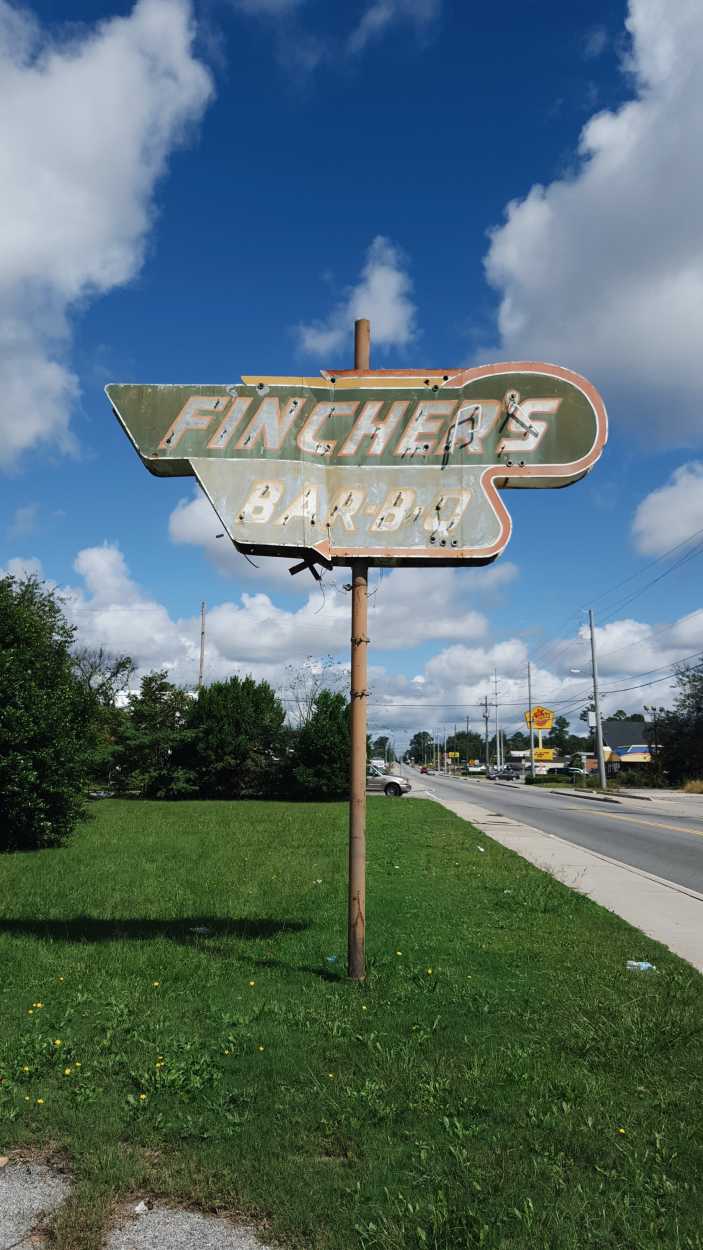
(320, 763)
(46, 720)
(236, 738)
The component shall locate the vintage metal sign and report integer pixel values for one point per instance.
(387, 467)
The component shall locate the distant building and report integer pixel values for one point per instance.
(625, 740)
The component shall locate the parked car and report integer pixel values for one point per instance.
(424, 770)
(378, 782)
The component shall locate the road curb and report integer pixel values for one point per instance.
(589, 798)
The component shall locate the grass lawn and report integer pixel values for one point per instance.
(499, 1080)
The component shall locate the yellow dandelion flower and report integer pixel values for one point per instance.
(331, 1075)
(40, 1102)
(142, 1097)
(25, 1068)
(40, 1005)
(364, 1008)
(67, 1071)
(260, 1048)
(429, 972)
(59, 978)
(57, 1041)
(156, 984)
(398, 952)
(252, 983)
(29, 1011)
(621, 1130)
(26, 1098)
(77, 1064)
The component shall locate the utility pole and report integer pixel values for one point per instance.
(495, 691)
(653, 709)
(529, 705)
(485, 721)
(596, 703)
(356, 912)
(202, 644)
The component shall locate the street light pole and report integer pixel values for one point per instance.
(495, 691)
(529, 705)
(596, 703)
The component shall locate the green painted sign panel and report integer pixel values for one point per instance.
(387, 467)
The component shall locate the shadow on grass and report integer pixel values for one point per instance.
(323, 974)
(189, 929)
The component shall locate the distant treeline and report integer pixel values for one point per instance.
(70, 723)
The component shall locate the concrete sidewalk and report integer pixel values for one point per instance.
(669, 913)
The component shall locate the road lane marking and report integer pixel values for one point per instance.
(641, 820)
(638, 820)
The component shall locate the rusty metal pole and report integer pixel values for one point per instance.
(356, 930)
(362, 343)
(356, 935)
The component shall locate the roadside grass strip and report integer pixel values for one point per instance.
(176, 1022)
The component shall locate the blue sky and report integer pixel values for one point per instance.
(194, 193)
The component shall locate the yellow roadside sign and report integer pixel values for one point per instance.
(542, 717)
(544, 753)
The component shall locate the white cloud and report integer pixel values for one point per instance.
(381, 14)
(670, 514)
(383, 294)
(595, 43)
(24, 521)
(254, 633)
(307, 51)
(22, 567)
(602, 270)
(410, 608)
(93, 122)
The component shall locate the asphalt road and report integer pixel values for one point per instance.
(645, 835)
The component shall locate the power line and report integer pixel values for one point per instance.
(684, 542)
(690, 555)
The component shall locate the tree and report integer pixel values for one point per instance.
(559, 735)
(104, 677)
(680, 731)
(469, 745)
(152, 753)
(45, 726)
(420, 746)
(236, 740)
(323, 748)
(307, 679)
(382, 746)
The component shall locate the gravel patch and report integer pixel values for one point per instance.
(28, 1192)
(163, 1227)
